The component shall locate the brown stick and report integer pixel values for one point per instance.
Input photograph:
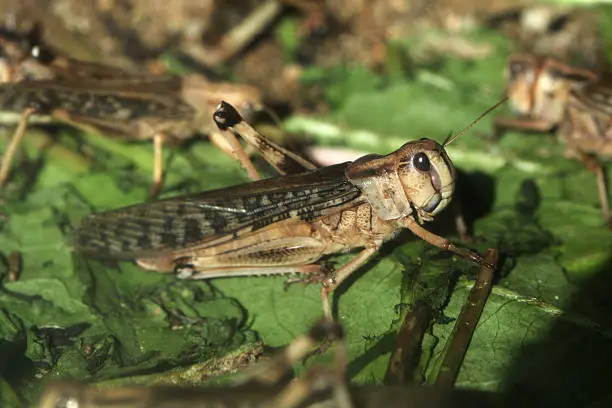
(405, 355)
(466, 324)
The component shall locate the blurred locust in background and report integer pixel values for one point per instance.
(575, 103)
(103, 99)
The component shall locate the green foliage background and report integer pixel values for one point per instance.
(546, 330)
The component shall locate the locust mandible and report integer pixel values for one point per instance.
(284, 224)
(575, 103)
(107, 100)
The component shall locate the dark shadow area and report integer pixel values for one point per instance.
(31, 169)
(383, 346)
(15, 367)
(519, 231)
(475, 194)
(55, 339)
(572, 365)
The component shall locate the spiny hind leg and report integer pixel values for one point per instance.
(287, 248)
(228, 144)
(185, 269)
(230, 122)
(11, 150)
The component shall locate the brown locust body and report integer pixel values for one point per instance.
(106, 100)
(575, 103)
(284, 224)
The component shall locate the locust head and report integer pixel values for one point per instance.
(538, 87)
(417, 178)
(12, 53)
(22, 57)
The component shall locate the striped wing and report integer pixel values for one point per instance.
(149, 229)
(117, 100)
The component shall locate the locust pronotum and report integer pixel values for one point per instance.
(284, 224)
(106, 100)
(552, 96)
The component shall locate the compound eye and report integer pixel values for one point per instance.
(41, 54)
(421, 162)
(516, 68)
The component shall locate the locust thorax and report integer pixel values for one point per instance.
(418, 177)
(538, 87)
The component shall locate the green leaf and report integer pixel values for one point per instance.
(546, 329)
(287, 36)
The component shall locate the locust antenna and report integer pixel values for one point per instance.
(450, 139)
